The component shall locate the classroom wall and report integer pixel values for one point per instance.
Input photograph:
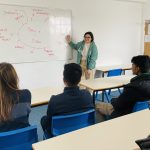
(145, 16)
(116, 26)
(146, 10)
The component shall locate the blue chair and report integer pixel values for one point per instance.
(20, 139)
(141, 106)
(114, 72)
(67, 123)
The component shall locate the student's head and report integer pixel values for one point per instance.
(88, 37)
(72, 74)
(140, 64)
(8, 84)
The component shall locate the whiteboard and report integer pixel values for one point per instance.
(30, 34)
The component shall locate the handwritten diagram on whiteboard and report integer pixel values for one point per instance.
(29, 34)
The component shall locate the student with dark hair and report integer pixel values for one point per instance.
(140, 64)
(72, 100)
(14, 103)
(86, 54)
(137, 90)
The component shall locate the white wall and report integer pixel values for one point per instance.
(116, 26)
(146, 10)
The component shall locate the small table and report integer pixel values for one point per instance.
(101, 84)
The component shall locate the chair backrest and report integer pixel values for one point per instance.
(141, 106)
(114, 72)
(67, 123)
(20, 139)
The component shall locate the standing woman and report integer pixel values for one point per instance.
(87, 54)
(15, 104)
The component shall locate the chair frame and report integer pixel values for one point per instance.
(73, 116)
(141, 105)
(105, 93)
(15, 132)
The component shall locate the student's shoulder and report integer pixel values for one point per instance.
(55, 100)
(25, 93)
(56, 97)
(86, 92)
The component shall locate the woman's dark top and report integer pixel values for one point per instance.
(20, 112)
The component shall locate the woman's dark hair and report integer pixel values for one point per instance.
(72, 74)
(143, 62)
(91, 35)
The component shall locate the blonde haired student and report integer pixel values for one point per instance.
(15, 104)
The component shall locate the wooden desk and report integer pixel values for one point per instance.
(42, 96)
(116, 134)
(105, 69)
(101, 84)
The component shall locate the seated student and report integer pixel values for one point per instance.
(14, 103)
(72, 100)
(137, 90)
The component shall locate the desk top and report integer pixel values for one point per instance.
(42, 95)
(107, 82)
(107, 68)
(115, 134)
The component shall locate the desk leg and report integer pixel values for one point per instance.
(94, 92)
(103, 96)
(103, 74)
(123, 72)
(94, 96)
